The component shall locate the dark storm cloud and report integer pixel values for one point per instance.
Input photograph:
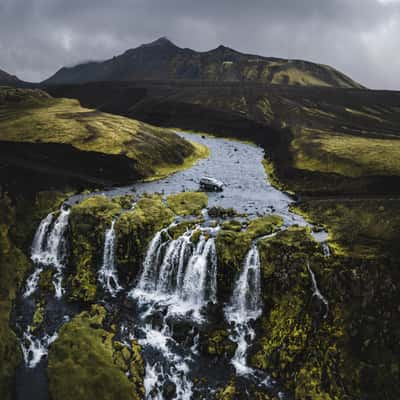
(359, 37)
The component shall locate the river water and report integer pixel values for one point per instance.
(172, 304)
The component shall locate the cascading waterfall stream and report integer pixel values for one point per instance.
(316, 292)
(244, 307)
(107, 274)
(168, 314)
(49, 248)
(179, 280)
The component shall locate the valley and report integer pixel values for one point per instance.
(120, 279)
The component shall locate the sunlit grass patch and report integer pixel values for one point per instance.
(325, 151)
(33, 116)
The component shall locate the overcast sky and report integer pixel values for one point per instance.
(359, 37)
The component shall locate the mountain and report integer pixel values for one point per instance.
(7, 78)
(163, 60)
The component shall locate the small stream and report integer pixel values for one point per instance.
(174, 298)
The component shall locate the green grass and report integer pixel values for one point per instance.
(187, 203)
(361, 228)
(327, 151)
(161, 171)
(33, 116)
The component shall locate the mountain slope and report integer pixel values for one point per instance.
(60, 138)
(7, 78)
(163, 60)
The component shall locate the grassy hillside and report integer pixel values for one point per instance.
(35, 119)
(319, 140)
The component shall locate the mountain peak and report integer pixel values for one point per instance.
(163, 60)
(162, 41)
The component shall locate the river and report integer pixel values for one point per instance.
(177, 287)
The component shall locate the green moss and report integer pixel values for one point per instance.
(46, 282)
(363, 228)
(227, 393)
(196, 236)
(135, 229)
(295, 343)
(232, 225)
(38, 316)
(179, 229)
(232, 246)
(83, 362)
(272, 175)
(199, 152)
(13, 267)
(231, 249)
(88, 222)
(187, 203)
(125, 201)
(218, 344)
(264, 226)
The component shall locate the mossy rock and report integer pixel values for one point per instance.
(135, 229)
(125, 202)
(179, 229)
(218, 344)
(187, 203)
(38, 316)
(227, 393)
(231, 249)
(220, 212)
(232, 246)
(46, 283)
(14, 266)
(82, 363)
(264, 226)
(88, 223)
(232, 225)
(295, 344)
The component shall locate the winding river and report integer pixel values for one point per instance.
(177, 286)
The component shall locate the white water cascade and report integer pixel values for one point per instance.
(107, 274)
(244, 307)
(178, 281)
(316, 292)
(35, 348)
(49, 248)
(179, 273)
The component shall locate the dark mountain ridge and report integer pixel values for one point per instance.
(163, 60)
(6, 78)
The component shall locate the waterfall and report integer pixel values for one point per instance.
(34, 349)
(316, 291)
(326, 249)
(49, 248)
(178, 280)
(244, 307)
(39, 240)
(107, 274)
(179, 273)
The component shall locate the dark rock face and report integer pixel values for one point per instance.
(7, 78)
(162, 60)
(61, 164)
